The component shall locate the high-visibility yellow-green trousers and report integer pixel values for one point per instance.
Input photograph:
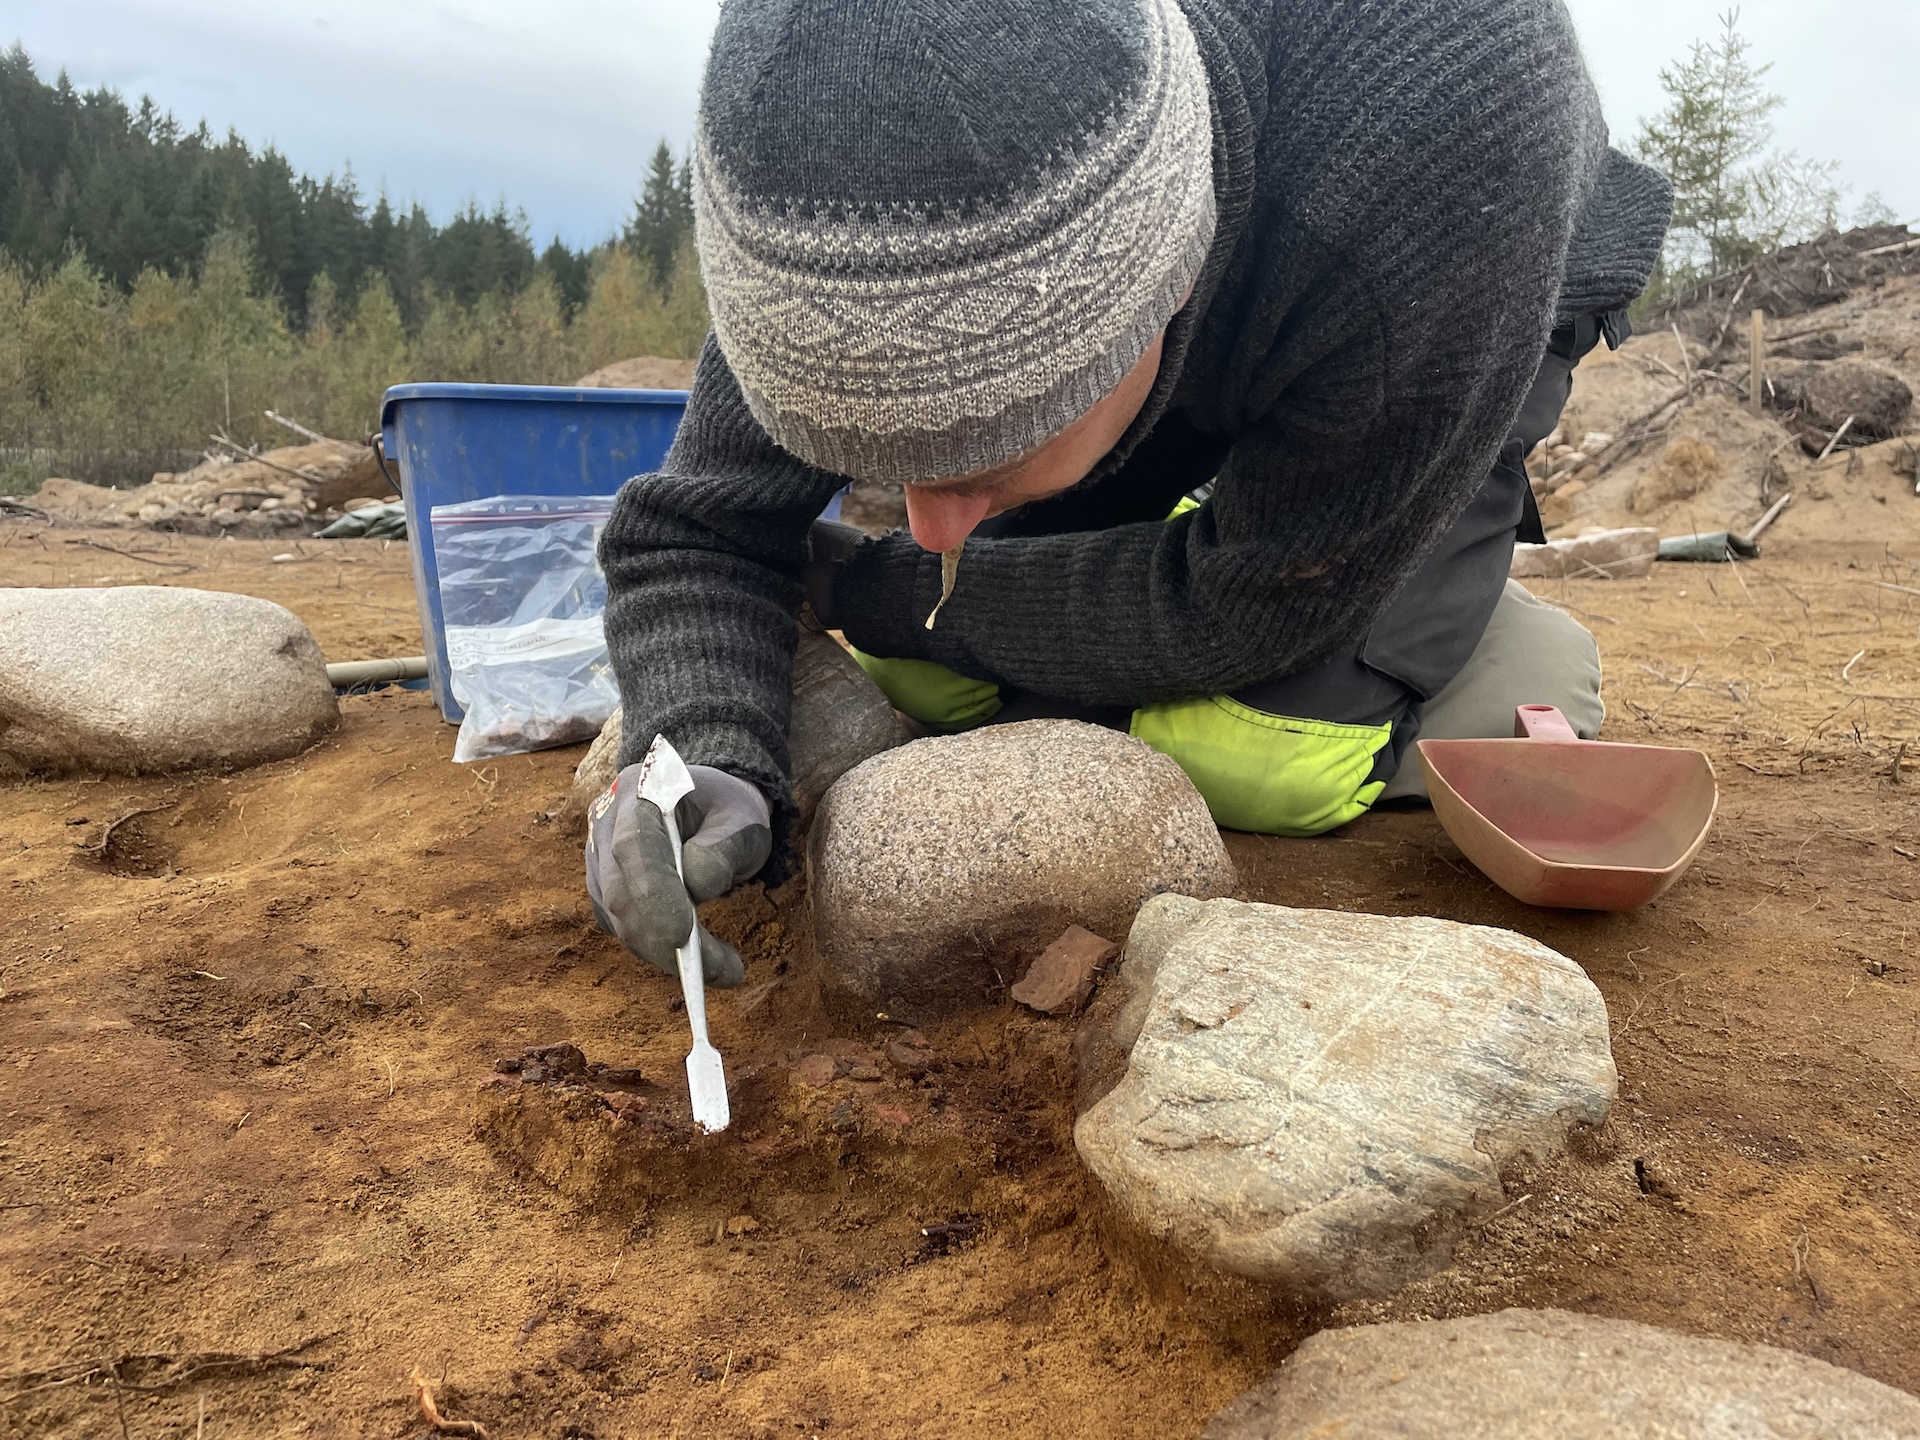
(1268, 773)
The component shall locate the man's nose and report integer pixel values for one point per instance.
(941, 519)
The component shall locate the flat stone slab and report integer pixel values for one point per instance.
(1530, 1374)
(937, 870)
(1325, 1101)
(143, 678)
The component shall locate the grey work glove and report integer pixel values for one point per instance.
(637, 895)
(830, 544)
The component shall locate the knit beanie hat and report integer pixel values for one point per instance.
(935, 232)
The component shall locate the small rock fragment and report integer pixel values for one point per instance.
(815, 1071)
(910, 1052)
(742, 1225)
(1062, 978)
(620, 1077)
(564, 1060)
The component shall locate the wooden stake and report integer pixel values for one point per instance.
(1757, 362)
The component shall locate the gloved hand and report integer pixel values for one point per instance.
(636, 893)
(830, 544)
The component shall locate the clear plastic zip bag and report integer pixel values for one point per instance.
(522, 597)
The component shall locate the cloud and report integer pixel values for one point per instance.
(557, 107)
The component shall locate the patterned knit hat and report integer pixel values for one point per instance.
(935, 232)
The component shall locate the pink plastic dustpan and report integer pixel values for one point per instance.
(1580, 824)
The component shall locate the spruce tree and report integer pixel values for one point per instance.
(1733, 197)
(662, 214)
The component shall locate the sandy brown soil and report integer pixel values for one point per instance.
(248, 1102)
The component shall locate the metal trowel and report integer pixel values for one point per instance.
(665, 782)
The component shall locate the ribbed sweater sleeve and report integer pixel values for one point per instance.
(702, 562)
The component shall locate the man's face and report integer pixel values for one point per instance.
(942, 513)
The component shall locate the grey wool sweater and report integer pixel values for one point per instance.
(1409, 197)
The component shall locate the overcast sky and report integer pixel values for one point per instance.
(555, 107)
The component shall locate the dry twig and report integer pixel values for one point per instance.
(99, 847)
(131, 555)
(1838, 436)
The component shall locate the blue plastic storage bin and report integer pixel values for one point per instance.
(466, 442)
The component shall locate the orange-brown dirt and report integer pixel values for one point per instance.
(249, 1033)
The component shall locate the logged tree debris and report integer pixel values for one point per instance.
(233, 490)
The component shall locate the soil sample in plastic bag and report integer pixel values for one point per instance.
(523, 596)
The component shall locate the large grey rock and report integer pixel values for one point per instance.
(1548, 1374)
(936, 870)
(839, 718)
(1325, 1101)
(147, 677)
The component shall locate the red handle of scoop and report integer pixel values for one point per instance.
(1541, 722)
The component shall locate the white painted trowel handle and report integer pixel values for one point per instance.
(665, 781)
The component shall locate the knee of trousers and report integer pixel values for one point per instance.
(1265, 773)
(1532, 653)
(939, 698)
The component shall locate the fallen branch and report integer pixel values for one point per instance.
(1899, 247)
(12, 505)
(1726, 321)
(439, 1424)
(1636, 432)
(198, 1364)
(299, 429)
(133, 555)
(243, 454)
(1760, 525)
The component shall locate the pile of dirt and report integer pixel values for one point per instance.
(241, 493)
(1795, 280)
(1663, 431)
(643, 372)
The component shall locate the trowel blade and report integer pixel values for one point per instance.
(707, 1084)
(664, 777)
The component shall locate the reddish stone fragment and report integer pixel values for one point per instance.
(815, 1070)
(1062, 978)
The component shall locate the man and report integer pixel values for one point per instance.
(1065, 267)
